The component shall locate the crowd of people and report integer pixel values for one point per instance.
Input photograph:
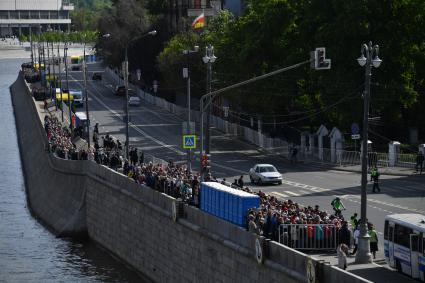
(60, 142)
(175, 180)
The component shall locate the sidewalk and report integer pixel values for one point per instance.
(378, 271)
(396, 171)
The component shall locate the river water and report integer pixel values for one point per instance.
(28, 251)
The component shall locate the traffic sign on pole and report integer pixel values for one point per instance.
(355, 129)
(189, 141)
(355, 137)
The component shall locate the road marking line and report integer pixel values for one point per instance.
(370, 200)
(279, 194)
(171, 147)
(292, 193)
(304, 186)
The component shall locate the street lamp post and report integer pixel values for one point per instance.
(65, 58)
(186, 74)
(86, 94)
(32, 51)
(127, 115)
(208, 59)
(363, 254)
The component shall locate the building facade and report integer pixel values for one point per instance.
(19, 16)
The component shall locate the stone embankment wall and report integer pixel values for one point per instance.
(136, 223)
(55, 188)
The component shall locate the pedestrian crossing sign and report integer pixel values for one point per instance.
(189, 141)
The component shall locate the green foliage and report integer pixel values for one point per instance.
(124, 22)
(272, 34)
(87, 13)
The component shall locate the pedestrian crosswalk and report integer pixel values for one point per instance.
(289, 194)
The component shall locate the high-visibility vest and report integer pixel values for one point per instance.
(373, 236)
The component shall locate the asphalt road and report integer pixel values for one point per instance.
(158, 132)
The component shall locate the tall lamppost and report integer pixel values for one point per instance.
(65, 59)
(208, 59)
(32, 51)
(186, 74)
(125, 70)
(368, 51)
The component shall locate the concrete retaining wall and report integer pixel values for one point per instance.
(55, 188)
(135, 223)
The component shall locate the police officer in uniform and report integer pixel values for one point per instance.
(374, 176)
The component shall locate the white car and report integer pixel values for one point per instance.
(265, 173)
(134, 101)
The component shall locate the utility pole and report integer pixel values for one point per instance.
(32, 53)
(65, 57)
(127, 120)
(60, 82)
(125, 71)
(186, 74)
(363, 254)
(86, 94)
(209, 58)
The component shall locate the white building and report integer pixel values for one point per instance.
(17, 16)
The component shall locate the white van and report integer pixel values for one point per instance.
(78, 97)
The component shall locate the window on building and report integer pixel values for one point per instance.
(53, 14)
(63, 15)
(34, 14)
(13, 14)
(24, 14)
(44, 14)
(4, 15)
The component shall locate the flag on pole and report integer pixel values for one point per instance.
(199, 22)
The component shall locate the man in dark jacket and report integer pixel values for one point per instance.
(344, 234)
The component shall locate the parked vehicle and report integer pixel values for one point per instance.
(64, 96)
(120, 90)
(78, 98)
(265, 173)
(404, 244)
(75, 63)
(134, 101)
(81, 124)
(97, 77)
(39, 93)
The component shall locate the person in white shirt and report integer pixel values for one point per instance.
(356, 235)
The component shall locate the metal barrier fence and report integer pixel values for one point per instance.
(406, 160)
(276, 145)
(309, 236)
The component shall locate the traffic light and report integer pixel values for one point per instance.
(206, 161)
(320, 61)
(203, 161)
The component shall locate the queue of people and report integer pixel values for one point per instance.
(60, 143)
(177, 181)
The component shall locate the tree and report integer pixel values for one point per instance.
(124, 21)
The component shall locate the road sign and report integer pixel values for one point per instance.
(355, 130)
(355, 137)
(189, 141)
